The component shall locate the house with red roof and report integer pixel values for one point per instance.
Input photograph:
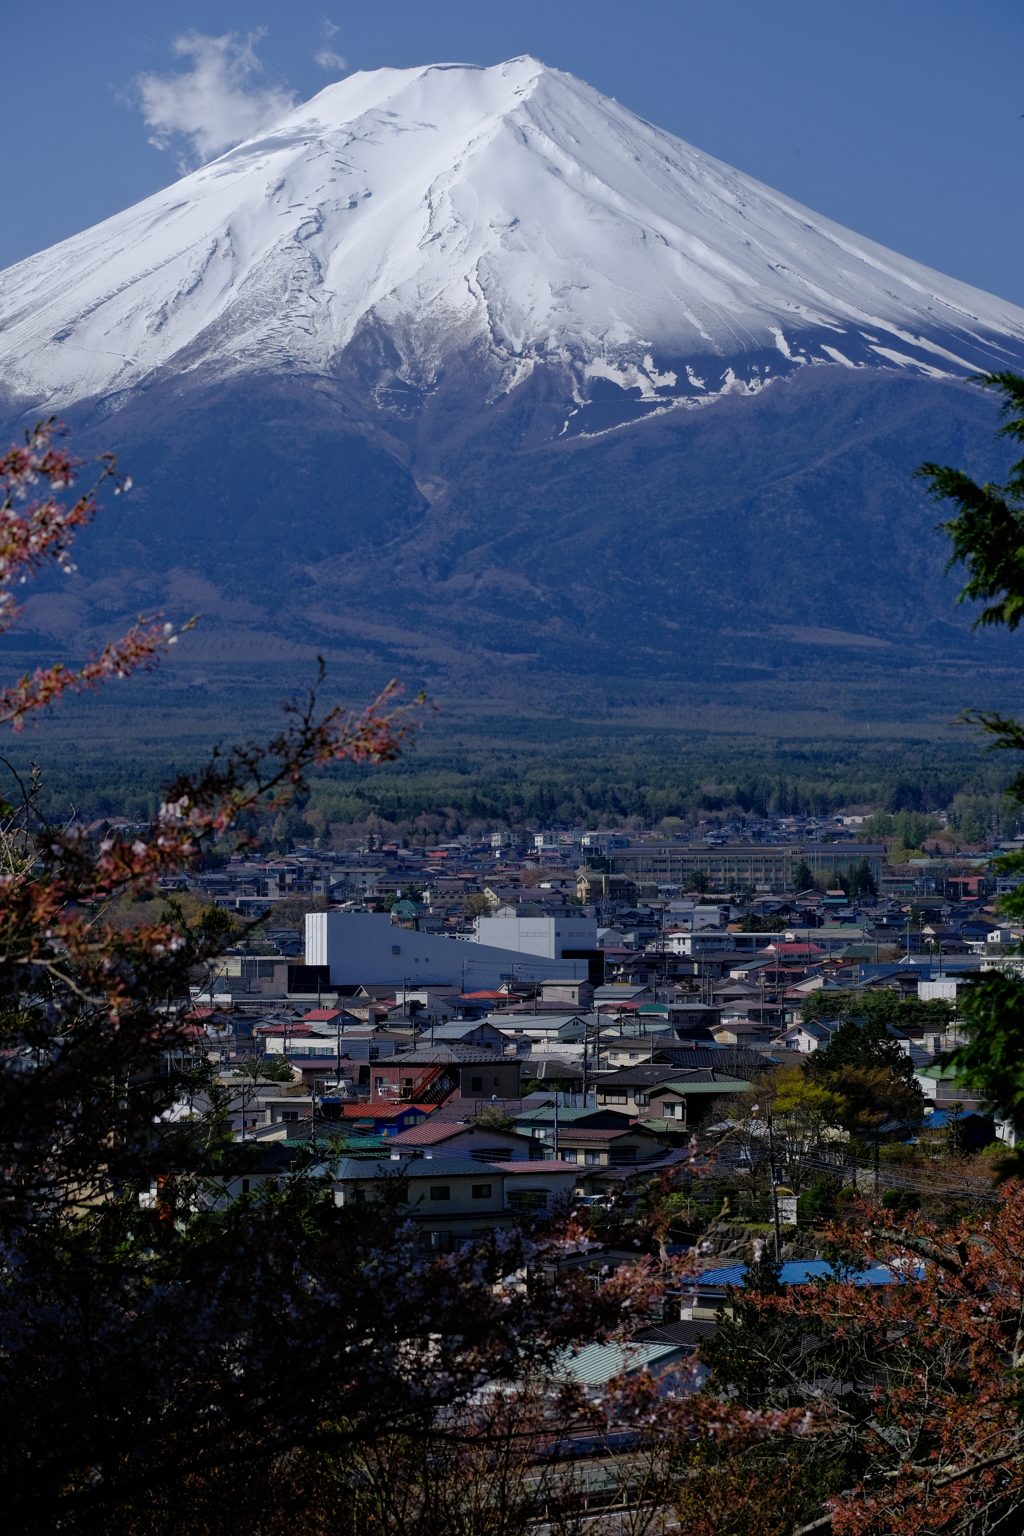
(462, 1138)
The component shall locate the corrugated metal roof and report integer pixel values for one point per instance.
(382, 1111)
(600, 1362)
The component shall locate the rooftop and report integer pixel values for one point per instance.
(365, 1110)
(598, 1363)
(441, 1055)
(434, 1131)
(794, 1274)
(544, 1115)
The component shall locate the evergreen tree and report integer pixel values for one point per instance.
(863, 1045)
(987, 535)
(748, 1353)
(862, 882)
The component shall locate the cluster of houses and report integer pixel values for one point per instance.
(563, 1088)
(499, 1028)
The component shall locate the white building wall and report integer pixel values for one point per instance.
(367, 948)
(935, 991)
(547, 936)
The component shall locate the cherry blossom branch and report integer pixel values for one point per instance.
(43, 530)
(138, 649)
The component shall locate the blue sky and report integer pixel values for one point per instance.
(899, 118)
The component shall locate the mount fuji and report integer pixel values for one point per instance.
(457, 367)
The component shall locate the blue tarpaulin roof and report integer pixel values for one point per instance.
(794, 1274)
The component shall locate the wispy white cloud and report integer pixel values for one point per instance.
(327, 56)
(200, 112)
(328, 59)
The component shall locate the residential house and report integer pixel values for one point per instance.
(454, 1200)
(622, 992)
(626, 1050)
(461, 1138)
(478, 1033)
(628, 1091)
(433, 1074)
(380, 1119)
(705, 1297)
(743, 1030)
(550, 1028)
(571, 994)
(809, 1035)
(687, 1101)
(539, 1120)
(665, 1093)
(595, 1146)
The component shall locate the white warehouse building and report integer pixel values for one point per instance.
(367, 948)
(549, 937)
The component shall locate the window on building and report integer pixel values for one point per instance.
(289, 1114)
(440, 1191)
(591, 1157)
(568, 1154)
(528, 1200)
(612, 1096)
(476, 1085)
(481, 1191)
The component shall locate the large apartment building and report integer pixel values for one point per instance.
(762, 866)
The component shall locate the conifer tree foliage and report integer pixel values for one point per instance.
(987, 535)
(803, 876)
(867, 1045)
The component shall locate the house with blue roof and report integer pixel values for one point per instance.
(707, 1294)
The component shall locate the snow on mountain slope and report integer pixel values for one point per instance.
(513, 209)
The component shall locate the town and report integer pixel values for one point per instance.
(577, 1010)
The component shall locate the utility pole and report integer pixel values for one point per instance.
(586, 1038)
(775, 1197)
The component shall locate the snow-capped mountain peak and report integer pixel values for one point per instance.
(511, 211)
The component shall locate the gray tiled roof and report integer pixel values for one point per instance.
(443, 1055)
(642, 1076)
